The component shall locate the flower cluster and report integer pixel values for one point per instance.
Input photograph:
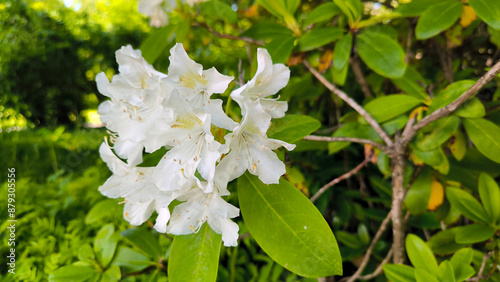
(149, 110)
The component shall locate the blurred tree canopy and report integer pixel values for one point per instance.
(50, 54)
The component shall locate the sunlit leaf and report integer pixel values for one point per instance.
(437, 18)
(488, 11)
(291, 128)
(486, 137)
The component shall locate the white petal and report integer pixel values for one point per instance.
(182, 66)
(162, 219)
(112, 188)
(216, 82)
(227, 228)
(219, 118)
(138, 213)
(274, 108)
(117, 166)
(147, 7)
(266, 165)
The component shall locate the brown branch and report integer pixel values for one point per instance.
(227, 36)
(446, 110)
(398, 166)
(346, 139)
(360, 78)
(338, 179)
(379, 269)
(479, 276)
(342, 95)
(366, 258)
(329, 130)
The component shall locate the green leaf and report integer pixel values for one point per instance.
(382, 54)
(460, 262)
(280, 48)
(489, 192)
(340, 76)
(466, 204)
(420, 191)
(291, 128)
(349, 129)
(457, 145)
(266, 30)
(435, 158)
(437, 18)
(473, 233)
(105, 244)
(195, 257)
(395, 124)
(363, 234)
(73, 273)
(387, 107)
(409, 84)
(399, 273)
(310, 249)
(323, 12)
(488, 11)
(85, 253)
(471, 109)
(319, 37)
(156, 43)
(351, 8)
(443, 128)
(420, 254)
(486, 137)
(276, 7)
(414, 8)
(111, 274)
(424, 276)
(445, 272)
(105, 208)
(131, 260)
(144, 240)
(349, 240)
(450, 94)
(443, 243)
(342, 52)
(219, 11)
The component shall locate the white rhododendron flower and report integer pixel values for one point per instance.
(156, 11)
(268, 80)
(149, 110)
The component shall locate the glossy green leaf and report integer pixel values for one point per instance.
(420, 254)
(473, 233)
(342, 52)
(323, 12)
(460, 262)
(450, 94)
(111, 274)
(351, 8)
(363, 234)
(218, 10)
(437, 18)
(280, 48)
(105, 244)
(290, 230)
(420, 191)
(85, 253)
(387, 107)
(410, 83)
(319, 37)
(471, 109)
(466, 204)
(443, 128)
(130, 260)
(382, 54)
(445, 271)
(435, 158)
(486, 137)
(415, 7)
(340, 76)
(291, 128)
(195, 257)
(276, 7)
(393, 125)
(399, 273)
(73, 273)
(489, 192)
(103, 209)
(266, 30)
(425, 276)
(443, 243)
(488, 11)
(157, 42)
(144, 240)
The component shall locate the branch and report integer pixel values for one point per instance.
(227, 36)
(379, 268)
(366, 258)
(338, 179)
(442, 112)
(342, 95)
(358, 73)
(346, 139)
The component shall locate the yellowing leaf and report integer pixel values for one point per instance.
(252, 11)
(454, 36)
(325, 60)
(467, 16)
(437, 195)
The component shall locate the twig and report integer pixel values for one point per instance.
(329, 130)
(360, 78)
(408, 54)
(346, 139)
(366, 258)
(479, 276)
(379, 268)
(342, 95)
(398, 166)
(227, 36)
(338, 179)
(446, 110)
(445, 60)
